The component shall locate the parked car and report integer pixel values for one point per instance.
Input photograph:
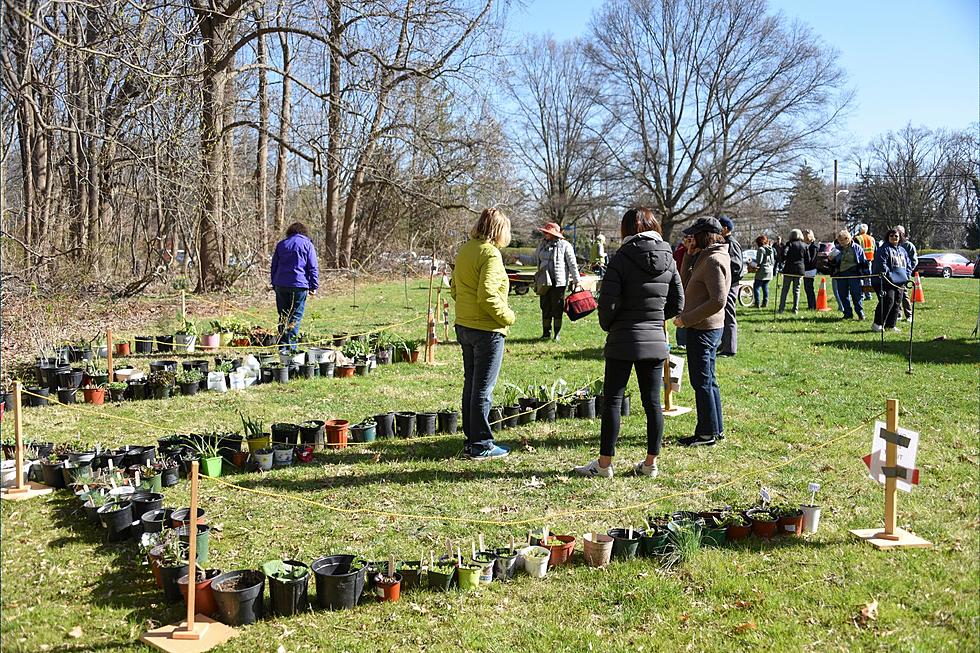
(945, 264)
(748, 256)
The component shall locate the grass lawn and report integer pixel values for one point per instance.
(797, 384)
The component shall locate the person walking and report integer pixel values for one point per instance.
(479, 287)
(729, 335)
(810, 269)
(868, 245)
(295, 274)
(557, 270)
(706, 275)
(793, 259)
(765, 262)
(893, 269)
(914, 262)
(641, 290)
(847, 264)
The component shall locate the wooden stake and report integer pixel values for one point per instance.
(430, 326)
(192, 630)
(891, 482)
(481, 542)
(108, 356)
(391, 565)
(18, 443)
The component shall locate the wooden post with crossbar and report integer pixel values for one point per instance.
(21, 490)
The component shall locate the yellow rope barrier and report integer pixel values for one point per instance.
(91, 412)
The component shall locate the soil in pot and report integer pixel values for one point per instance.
(385, 423)
(238, 595)
(339, 581)
(203, 595)
(405, 424)
(118, 519)
(425, 423)
(288, 586)
(626, 544)
(285, 433)
(764, 524)
(448, 421)
(144, 502)
(791, 524)
(597, 549)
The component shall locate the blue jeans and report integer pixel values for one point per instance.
(701, 347)
(681, 337)
(290, 303)
(483, 351)
(760, 291)
(849, 290)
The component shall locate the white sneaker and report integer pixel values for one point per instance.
(893, 329)
(642, 469)
(593, 469)
(877, 328)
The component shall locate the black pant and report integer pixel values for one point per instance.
(811, 297)
(729, 336)
(552, 309)
(889, 304)
(650, 375)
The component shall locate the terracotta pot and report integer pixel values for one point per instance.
(154, 556)
(791, 524)
(762, 528)
(391, 591)
(94, 396)
(343, 371)
(733, 533)
(203, 596)
(336, 430)
(560, 553)
(597, 549)
(122, 349)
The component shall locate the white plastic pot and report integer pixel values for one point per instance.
(283, 457)
(811, 518)
(216, 382)
(263, 460)
(184, 342)
(535, 559)
(289, 359)
(316, 354)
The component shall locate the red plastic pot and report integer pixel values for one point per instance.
(336, 430)
(94, 396)
(391, 591)
(790, 525)
(122, 349)
(560, 553)
(344, 371)
(203, 596)
(304, 453)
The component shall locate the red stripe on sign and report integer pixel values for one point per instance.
(867, 460)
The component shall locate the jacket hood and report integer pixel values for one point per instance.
(649, 252)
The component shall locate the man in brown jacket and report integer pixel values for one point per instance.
(706, 274)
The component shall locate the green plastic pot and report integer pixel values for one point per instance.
(653, 544)
(713, 536)
(469, 577)
(203, 540)
(154, 484)
(441, 577)
(211, 466)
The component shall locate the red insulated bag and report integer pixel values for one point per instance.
(579, 304)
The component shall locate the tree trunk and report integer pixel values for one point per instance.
(212, 159)
(262, 153)
(284, 110)
(333, 134)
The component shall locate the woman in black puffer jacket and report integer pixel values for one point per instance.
(794, 256)
(640, 291)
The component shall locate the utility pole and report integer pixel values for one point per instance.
(835, 197)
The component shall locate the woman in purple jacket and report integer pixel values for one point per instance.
(295, 274)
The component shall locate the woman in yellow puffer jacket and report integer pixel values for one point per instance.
(479, 287)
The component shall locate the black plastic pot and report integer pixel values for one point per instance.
(163, 366)
(566, 411)
(529, 411)
(67, 395)
(448, 421)
(287, 596)
(144, 502)
(510, 414)
(585, 408)
(143, 344)
(168, 578)
(188, 389)
(238, 595)
(308, 372)
(36, 401)
(625, 547)
(137, 390)
(279, 374)
(70, 471)
(155, 521)
(339, 581)
(311, 432)
(102, 460)
(505, 566)
(385, 425)
(326, 368)
(285, 433)
(118, 520)
(547, 412)
(425, 423)
(169, 476)
(139, 456)
(70, 378)
(165, 343)
(405, 424)
(495, 417)
(52, 475)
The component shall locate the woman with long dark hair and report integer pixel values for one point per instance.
(295, 274)
(640, 291)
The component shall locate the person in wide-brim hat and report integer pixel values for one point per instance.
(551, 229)
(557, 271)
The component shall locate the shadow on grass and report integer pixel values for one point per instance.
(958, 350)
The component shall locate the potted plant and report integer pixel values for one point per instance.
(282, 455)
(548, 399)
(405, 424)
(186, 335)
(339, 580)
(117, 390)
(365, 431)
(764, 523)
(586, 399)
(94, 394)
(511, 409)
(737, 525)
(67, 395)
(384, 347)
(288, 583)
(789, 519)
(561, 547)
(626, 542)
(264, 459)
(117, 518)
(565, 408)
(441, 573)
(173, 565)
(169, 472)
(161, 383)
(254, 434)
(51, 471)
(212, 340)
(535, 560)
(238, 595)
(189, 381)
(150, 478)
(410, 350)
(203, 595)
(811, 511)
(335, 429)
(597, 549)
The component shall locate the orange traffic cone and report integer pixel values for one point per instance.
(822, 296)
(918, 297)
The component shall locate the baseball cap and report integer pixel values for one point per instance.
(711, 225)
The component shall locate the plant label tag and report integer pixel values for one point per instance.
(85, 488)
(764, 496)
(813, 487)
(110, 464)
(112, 480)
(136, 477)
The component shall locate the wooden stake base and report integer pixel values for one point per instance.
(29, 491)
(166, 638)
(903, 539)
(677, 410)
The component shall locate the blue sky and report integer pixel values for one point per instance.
(908, 61)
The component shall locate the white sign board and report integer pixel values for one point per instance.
(906, 457)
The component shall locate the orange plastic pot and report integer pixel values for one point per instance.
(344, 371)
(154, 556)
(94, 396)
(391, 591)
(203, 596)
(336, 430)
(560, 553)
(122, 349)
